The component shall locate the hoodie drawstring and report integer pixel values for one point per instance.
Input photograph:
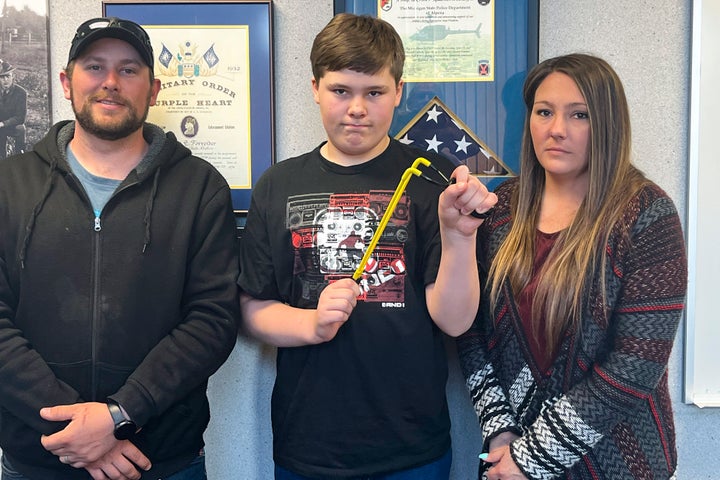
(36, 211)
(149, 208)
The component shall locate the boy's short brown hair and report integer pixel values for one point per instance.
(360, 43)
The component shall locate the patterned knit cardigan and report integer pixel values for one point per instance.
(603, 411)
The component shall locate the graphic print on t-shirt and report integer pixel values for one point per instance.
(330, 233)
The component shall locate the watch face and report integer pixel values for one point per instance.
(125, 430)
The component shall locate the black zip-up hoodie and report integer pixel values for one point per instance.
(138, 305)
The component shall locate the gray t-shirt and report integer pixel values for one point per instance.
(98, 189)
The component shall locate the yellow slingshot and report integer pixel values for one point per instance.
(404, 180)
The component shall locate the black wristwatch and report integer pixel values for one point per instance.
(124, 427)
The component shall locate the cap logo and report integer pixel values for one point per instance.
(99, 24)
(112, 27)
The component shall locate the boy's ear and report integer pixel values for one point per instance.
(398, 92)
(315, 87)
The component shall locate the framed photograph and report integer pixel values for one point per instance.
(466, 61)
(24, 78)
(214, 60)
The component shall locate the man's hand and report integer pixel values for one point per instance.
(86, 439)
(123, 462)
(335, 305)
(88, 442)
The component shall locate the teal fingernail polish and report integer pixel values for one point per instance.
(483, 456)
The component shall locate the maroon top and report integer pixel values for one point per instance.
(535, 330)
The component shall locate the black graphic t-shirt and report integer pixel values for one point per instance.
(373, 399)
(330, 232)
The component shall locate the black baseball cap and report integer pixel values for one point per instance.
(112, 27)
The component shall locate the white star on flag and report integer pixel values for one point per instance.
(462, 145)
(405, 140)
(433, 143)
(433, 114)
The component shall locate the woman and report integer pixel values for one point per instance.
(584, 275)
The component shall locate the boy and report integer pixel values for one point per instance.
(361, 369)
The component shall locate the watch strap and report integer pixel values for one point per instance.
(124, 427)
(116, 413)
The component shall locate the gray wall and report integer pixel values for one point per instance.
(647, 41)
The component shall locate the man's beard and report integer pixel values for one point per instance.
(113, 131)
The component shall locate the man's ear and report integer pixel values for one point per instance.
(155, 91)
(65, 82)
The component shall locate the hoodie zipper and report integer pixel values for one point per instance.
(95, 281)
(97, 227)
(96, 272)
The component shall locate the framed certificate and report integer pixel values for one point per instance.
(214, 61)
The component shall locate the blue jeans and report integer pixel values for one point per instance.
(436, 470)
(194, 471)
(8, 473)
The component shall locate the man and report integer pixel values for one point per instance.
(361, 369)
(117, 281)
(13, 108)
